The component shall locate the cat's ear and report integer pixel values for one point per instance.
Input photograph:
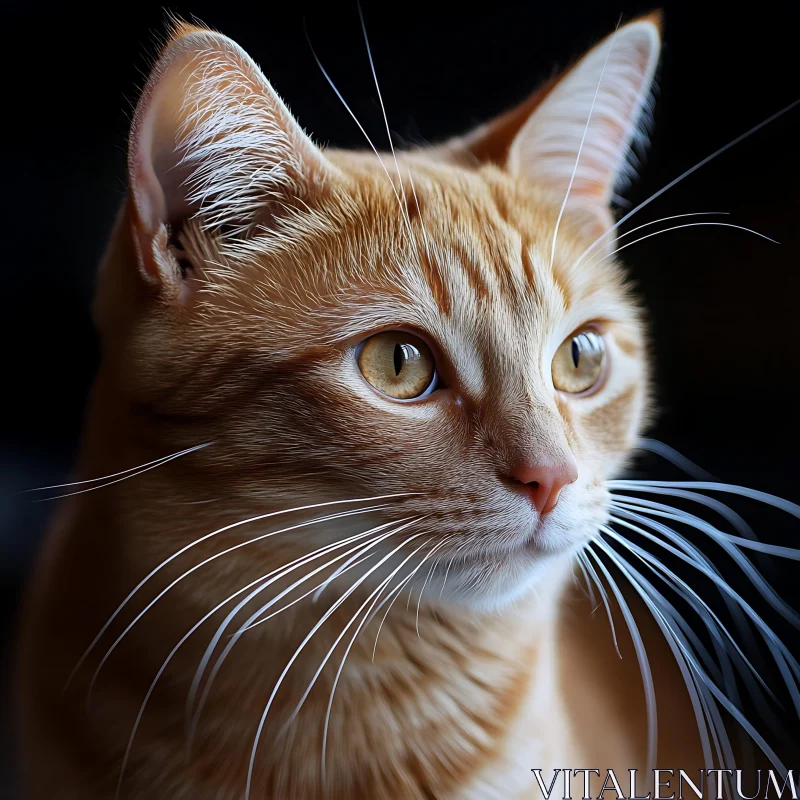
(212, 140)
(595, 108)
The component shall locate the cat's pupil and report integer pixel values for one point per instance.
(399, 357)
(576, 352)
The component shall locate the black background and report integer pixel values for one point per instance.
(723, 303)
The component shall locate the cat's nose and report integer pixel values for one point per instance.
(543, 482)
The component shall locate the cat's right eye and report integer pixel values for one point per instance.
(398, 364)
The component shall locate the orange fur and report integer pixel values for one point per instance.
(230, 303)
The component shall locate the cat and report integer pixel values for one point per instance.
(347, 376)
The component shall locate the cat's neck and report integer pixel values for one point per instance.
(477, 692)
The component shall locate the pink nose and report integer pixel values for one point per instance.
(543, 482)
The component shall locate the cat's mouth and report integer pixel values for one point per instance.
(569, 527)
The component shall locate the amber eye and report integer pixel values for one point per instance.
(398, 364)
(578, 363)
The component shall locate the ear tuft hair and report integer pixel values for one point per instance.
(238, 155)
(212, 140)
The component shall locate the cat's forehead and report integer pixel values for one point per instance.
(462, 256)
(467, 256)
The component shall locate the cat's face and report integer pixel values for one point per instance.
(343, 328)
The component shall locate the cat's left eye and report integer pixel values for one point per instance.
(578, 363)
(398, 364)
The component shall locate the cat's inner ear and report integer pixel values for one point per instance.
(212, 141)
(594, 109)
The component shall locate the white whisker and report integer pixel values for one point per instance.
(355, 119)
(786, 663)
(667, 219)
(303, 698)
(327, 582)
(177, 647)
(251, 622)
(224, 529)
(593, 573)
(683, 175)
(404, 204)
(740, 619)
(397, 591)
(208, 560)
(376, 594)
(703, 610)
(425, 236)
(644, 664)
(720, 537)
(131, 474)
(680, 227)
(688, 677)
(156, 462)
(643, 587)
(631, 505)
(378, 90)
(664, 450)
(686, 640)
(302, 645)
(712, 486)
(720, 508)
(715, 628)
(449, 565)
(351, 565)
(581, 562)
(419, 599)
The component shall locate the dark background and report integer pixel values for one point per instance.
(723, 303)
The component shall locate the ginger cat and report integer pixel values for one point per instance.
(410, 373)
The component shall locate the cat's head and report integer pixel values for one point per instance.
(450, 326)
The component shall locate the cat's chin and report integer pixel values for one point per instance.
(493, 584)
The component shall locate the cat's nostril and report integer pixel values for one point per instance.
(543, 482)
(514, 479)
